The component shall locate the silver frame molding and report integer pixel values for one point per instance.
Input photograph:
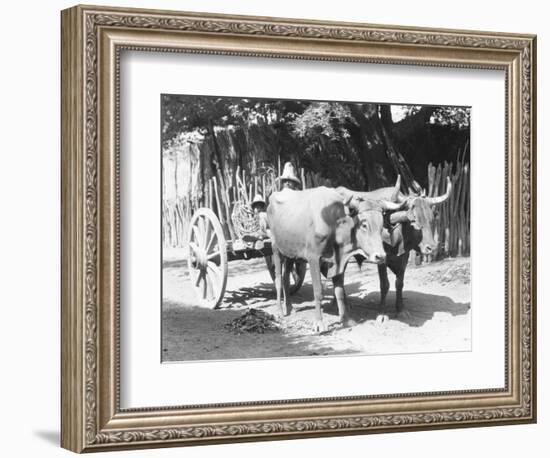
(92, 39)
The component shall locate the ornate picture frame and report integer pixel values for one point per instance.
(92, 40)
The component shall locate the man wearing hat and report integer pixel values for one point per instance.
(259, 208)
(289, 178)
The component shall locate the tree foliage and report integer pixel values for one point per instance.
(323, 118)
(358, 144)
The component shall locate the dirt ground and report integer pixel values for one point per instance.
(436, 317)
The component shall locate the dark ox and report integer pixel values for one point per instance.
(408, 229)
(316, 225)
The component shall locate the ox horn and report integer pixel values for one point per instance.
(399, 217)
(350, 200)
(391, 206)
(347, 199)
(443, 198)
(345, 194)
(397, 187)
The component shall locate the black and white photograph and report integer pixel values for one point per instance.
(304, 228)
(265, 229)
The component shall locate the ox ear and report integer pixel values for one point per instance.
(344, 228)
(352, 204)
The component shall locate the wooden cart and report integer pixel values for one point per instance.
(209, 253)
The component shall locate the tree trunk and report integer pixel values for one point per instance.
(399, 164)
(365, 142)
(372, 143)
(218, 162)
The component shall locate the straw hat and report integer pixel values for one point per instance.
(289, 173)
(258, 200)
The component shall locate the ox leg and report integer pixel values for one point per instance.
(384, 287)
(340, 296)
(399, 282)
(278, 286)
(315, 271)
(287, 306)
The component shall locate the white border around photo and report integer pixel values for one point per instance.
(145, 382)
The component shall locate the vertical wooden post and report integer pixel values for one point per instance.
(211, 194)
(218, 202)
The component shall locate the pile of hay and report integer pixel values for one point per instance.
(253, 320)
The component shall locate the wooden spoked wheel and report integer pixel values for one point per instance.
(297, 273)
(207, 258)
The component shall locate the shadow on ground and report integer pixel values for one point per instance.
(262, 292)
(195, 333)
(418, 308)
(191, 333)
(174, 264)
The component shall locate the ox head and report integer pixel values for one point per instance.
(362, 228)
(418, 217)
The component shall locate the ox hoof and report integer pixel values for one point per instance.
(320, 326)
(348, 322)
(284, 313)
(382, 318)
